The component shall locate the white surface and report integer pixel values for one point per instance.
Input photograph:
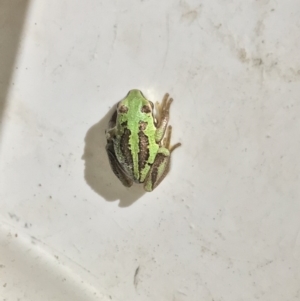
(224, 224)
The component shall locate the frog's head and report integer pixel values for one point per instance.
(135, 100)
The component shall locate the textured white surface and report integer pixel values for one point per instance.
(224, 224)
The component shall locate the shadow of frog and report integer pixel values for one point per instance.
(98, 173)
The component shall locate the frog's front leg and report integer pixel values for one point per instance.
(116, 166)
(161, 164)
(162, 116)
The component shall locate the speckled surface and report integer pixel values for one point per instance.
(224, 225)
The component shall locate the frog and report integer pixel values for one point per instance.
(139, 140)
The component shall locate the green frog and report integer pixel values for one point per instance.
(138, 141)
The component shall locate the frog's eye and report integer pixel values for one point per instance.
(146, 109)
(122, 109)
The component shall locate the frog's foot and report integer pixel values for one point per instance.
(161, 164)
(162, 116)
(167, 140)
(163, 107)
(110, 133)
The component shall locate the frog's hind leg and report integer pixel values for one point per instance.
(161, 164)
(116, 166)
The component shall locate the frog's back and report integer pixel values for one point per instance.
(135, 144)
